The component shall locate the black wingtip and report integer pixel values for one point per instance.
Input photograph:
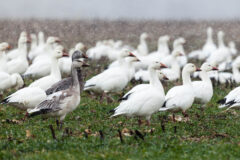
(5, 101)
(124, 98)
(222, 101)
(42, 111)
(112, 111)
(164, 104)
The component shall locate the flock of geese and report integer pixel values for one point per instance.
(50, 95)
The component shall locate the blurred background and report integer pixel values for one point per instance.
(121, 9)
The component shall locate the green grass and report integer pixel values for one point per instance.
(209, 134)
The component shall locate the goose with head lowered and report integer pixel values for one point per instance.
(144, 100)
(113, 79)
(60, 103)
(55, 75)
(203, 89)
(181, 97)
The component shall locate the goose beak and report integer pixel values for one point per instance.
(65, 54)
(9, 47)
(163, 65)
(137, 60)
(85, 56)
(131, 54)
(180, 54)
(198, 69)
(165, 78)
(214, 68)
(57, 40)
(85, 64)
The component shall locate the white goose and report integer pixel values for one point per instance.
(142, 48)
(173, 73)
(34, 44)
(208, 48)
(145, 101)
(181, 97)
(60, 103)
(8, 81)
(15, 52)
(113, 79)
(41, 65)
(65, 63)
(20, 63)
(55, 75)
(178, 46)
(203, 90)
(221, 54)
(163, 48)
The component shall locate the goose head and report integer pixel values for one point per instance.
(80, 47)
(77, 60)
(176, 54)
(51, 40)
(131, 59)
(23, 34)
(59, 52)
(157, 65)
(209, 31)
(144, 36)
(163, 39)
(126, 53)
(207, 67)
(4, 46)
(190, 68)
(162, 76)
(179, 41)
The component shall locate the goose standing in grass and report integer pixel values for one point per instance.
(203, 89)
(60, 103)
(55, 75)
(66, 82)
(113, 79)
(145, 100)
(181, 97)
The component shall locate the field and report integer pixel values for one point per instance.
(89, 133)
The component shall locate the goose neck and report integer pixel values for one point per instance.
(154, 80)
(55, 69)
(76, 79)
(204, 76)
(186, 78)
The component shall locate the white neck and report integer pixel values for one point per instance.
(163, 47)
(209, 38)
(175, 66)
(3, 61)
(204, 77)
(154, 80)
(186, 78)
(220, 41)
(55, 69)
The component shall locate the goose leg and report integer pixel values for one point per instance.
(184, 114)
(25, 116)
(139, 121)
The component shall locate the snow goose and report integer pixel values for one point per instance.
(15, 52)
(55, 75)
(203, 90)
(20, 63)
(207, 49)
(41, 39)
(178, 46)
(221, 54)
(60, 103)
(181, 97)
(33, 43)
(65, 63)
(163, 48)
(172, 73)
(66, 82)
(145, 101)
(232, 48)
(142, 48)
(113, 79)
(3, 58)
(8, 81)
(41, 65)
